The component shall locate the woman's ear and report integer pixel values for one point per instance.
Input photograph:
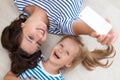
(22, 25)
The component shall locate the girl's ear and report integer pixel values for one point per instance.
(68, 65)
(22, 25)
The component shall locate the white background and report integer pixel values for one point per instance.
(107, 8)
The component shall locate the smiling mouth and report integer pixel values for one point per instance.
(42, 31)
(55, 54)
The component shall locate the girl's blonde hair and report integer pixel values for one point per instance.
(90, 59)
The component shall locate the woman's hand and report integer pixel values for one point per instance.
(106, 39)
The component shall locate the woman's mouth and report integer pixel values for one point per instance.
(42, 31)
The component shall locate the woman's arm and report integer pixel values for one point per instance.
(80, 27)
(30, 9)
(10, 76)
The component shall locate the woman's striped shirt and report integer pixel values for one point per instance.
(61, 13)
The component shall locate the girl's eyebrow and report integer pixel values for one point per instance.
(67, 51)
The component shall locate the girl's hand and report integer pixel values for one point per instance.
(31, 78)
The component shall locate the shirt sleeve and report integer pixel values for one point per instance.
(21, 4)
(67, 26)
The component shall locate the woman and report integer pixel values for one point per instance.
(60, 17)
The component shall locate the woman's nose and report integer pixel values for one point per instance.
(38, 37)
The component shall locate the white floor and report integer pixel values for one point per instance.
(106, 8)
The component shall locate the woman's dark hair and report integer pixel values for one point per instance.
(21, 61)
(11, 39)
(12, 34)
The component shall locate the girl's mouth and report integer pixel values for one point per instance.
(56, 55)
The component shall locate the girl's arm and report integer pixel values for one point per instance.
(10, 76)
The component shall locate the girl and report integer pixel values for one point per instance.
(58, 17)
(68, 53)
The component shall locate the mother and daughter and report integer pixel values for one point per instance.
(67, 53)
(25, 35)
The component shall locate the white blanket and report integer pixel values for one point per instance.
(107, 8)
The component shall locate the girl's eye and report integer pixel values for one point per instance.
(61, 45)
(67, 52)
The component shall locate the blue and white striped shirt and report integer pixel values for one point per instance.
(61, 13)
(39, 73)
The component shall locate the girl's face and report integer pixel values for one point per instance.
(64, 53)
(34, 34)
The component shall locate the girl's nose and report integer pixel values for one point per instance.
(61, 50)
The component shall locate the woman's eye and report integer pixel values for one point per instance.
(30, 37)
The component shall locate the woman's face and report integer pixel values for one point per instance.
(34, 34)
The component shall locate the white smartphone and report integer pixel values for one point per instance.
(95, 21)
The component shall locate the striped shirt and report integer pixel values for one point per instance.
(39, 73)
(61, 13)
